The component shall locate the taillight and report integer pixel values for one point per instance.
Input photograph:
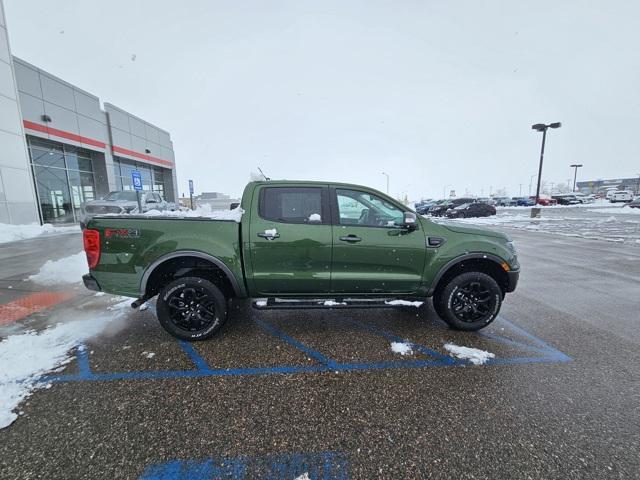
(91, 239)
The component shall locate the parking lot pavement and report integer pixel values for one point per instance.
(282, 393)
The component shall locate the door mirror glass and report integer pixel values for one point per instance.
(410, 220)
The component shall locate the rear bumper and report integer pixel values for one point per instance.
(512, 280)
(91, 283)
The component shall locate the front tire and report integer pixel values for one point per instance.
(469, 301)
(191, 308)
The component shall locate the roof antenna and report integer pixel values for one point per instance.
(265, 177)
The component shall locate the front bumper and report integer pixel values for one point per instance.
(512, 280)
(91, 283)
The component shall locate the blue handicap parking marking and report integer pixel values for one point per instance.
(312, 466)
(528, 348)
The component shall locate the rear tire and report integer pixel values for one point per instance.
(469, 301)
(191, 308)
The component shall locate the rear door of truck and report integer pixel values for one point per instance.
(290, 239)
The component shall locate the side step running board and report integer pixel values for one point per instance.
(337, 303)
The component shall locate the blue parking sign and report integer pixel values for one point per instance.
(191, 187)
(137, 180)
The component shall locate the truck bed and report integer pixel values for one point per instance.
(131, 245)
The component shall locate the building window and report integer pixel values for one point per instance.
(152, 177)
(64, 179)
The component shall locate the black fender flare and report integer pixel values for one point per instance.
(451, 263)
(238, 289)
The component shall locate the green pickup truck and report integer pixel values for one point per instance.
(300, 244)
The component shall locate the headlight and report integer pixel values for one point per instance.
(512, 247)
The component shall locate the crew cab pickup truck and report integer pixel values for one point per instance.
(301, 241)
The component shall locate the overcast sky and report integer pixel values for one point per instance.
(433, 93)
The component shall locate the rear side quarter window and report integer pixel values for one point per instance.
(302, 205)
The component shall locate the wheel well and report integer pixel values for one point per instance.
(483, 265)
(187, 266)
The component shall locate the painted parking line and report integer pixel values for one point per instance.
(30, 304)
(312, 466)
(533, 350)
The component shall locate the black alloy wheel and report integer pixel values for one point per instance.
(469, 301)
(191, 308)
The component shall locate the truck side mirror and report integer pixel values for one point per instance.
(410, 220)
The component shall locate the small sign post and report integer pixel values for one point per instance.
(136, 179)
(191, 192)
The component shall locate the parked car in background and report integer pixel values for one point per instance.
(503, 201)
(609, 193)
(469, 210)
(122, 202)
(440, 210)
(522, 202)
(585, 198)
(621, 196)
(423, 206)
(635, 203)
(566, 199)
(486, 200)
(544, 200)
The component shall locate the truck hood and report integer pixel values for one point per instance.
(473, 230)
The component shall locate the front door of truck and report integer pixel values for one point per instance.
(371, 254)
(290, 240)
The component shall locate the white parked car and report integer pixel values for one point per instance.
(621, 196)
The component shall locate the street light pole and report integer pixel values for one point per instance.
(638, 185)
(541, 127)
(386, 175)
(575, 167)
(531, 183)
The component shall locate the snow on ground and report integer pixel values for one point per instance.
(203, 211)
(64, 271)
(27, 356)
(474, 355)
(612, 223)
(14, 233)
(623, 210)
(403, 348)
(403, 303)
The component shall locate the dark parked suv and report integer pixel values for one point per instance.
(441, 210)
(469, 210)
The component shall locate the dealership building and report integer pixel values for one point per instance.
(59, 148)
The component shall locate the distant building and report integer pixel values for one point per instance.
(601, 185)
(216, 200)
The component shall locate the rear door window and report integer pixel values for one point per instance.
(305, 205)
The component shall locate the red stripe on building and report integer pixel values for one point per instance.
(25, 306)
(143, 156)
(62, 134)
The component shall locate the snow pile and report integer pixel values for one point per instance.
(13, 233)
(64, 271)
(27, 356)
(403, 303)
(619, 210)
(203, 211)
(261, 303)
(403, 348)
(474, 355)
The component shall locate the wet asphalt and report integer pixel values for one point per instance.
(562, 399)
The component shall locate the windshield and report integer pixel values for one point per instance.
(122, 196)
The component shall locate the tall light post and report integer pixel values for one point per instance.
(386, 175)
(444, 191)
(638, 185)
(575, 167)
(531, 183)
(541, 127)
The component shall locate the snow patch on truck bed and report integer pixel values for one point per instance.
(14, 233)
(203, 211)
(67, 270)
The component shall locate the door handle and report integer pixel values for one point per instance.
(351, 238)
(269, 236)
